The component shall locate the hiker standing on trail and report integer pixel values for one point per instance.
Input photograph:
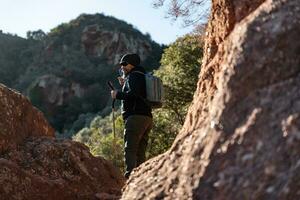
(136, 112)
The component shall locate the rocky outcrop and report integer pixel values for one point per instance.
(35, 165)
(56, 91)
(19, 119)
(48, 168)
(112, 44)
(240, 139)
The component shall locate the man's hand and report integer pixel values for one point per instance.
(113, 94)
(121, 80)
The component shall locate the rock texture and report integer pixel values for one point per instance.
(19, 119)
(53, 90)
(113, 44)
(35, 165)
(45, 168)
(241, 136)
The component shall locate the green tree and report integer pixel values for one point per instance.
(180, 66)
(36, 35)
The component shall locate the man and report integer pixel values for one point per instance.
(136, 112)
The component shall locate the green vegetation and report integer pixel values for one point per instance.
(98, 136)
(15, 56)
(180, 67)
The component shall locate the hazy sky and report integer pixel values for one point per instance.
(20, 16)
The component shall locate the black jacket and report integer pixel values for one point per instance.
(133, 94)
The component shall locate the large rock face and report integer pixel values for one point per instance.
(55, 92)
(241, 136)
(35, 165)
(113, 44)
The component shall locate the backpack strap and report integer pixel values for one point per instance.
(144, 99)
(139, 72)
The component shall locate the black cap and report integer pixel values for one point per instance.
(133, 59)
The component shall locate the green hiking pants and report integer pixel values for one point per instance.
(137, 128)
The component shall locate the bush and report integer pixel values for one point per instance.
(100, 139)
(180, 66)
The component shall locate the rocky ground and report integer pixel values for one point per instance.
(36, 165)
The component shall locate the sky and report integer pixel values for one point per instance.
(20, 16)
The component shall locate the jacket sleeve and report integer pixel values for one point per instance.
(134, 86)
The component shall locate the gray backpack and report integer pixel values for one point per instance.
(154, 90)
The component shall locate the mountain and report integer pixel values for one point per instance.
(15, 55)
(64, 72)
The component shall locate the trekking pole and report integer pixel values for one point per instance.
(113, 119)
(113, 109)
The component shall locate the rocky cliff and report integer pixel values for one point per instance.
(35, 165)
(241, 136)
(99, 42)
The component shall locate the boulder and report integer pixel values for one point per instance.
(49, 168)
(36, 165)
(19, 119)
(241, 136)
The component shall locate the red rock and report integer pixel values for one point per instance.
(19, 119)
(34, 165)
(240, 138)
